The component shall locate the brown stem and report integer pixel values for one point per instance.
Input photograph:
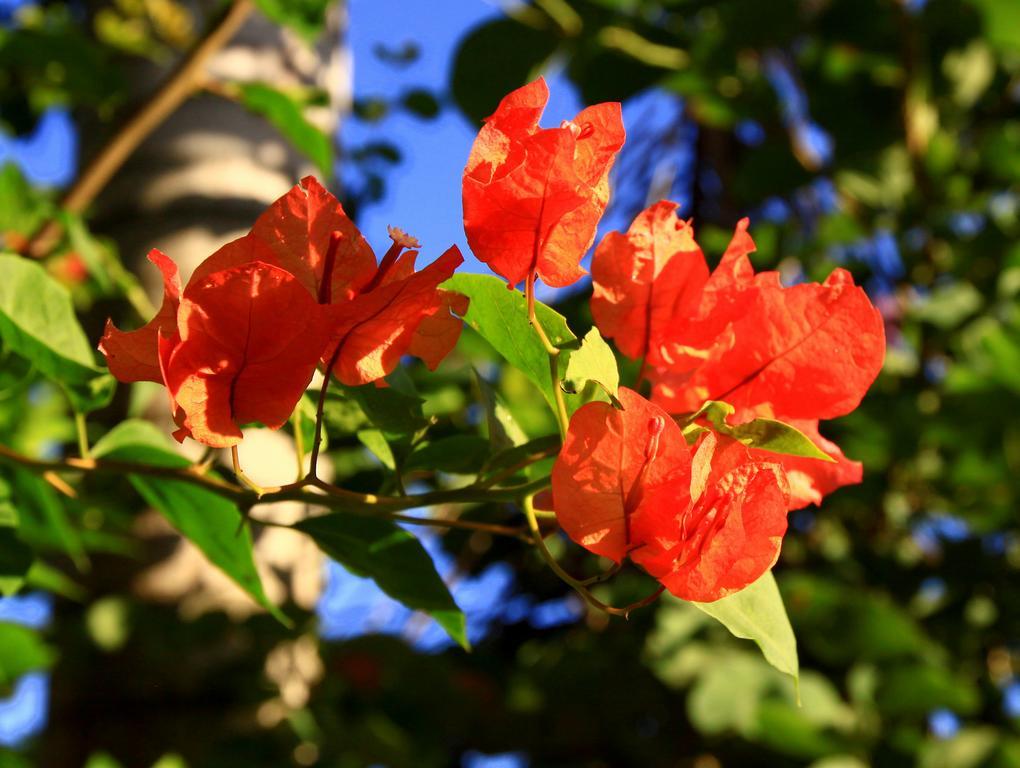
(185, 81)
(328, 496)
(320, 410)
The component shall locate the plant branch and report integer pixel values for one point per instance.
(188, 78)
(308, 491)
(554, 355)
(581, 587)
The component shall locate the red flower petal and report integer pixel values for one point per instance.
(437, 334)
(133, 355)
(728, 537)
(533, 197)
(625, 483)
(298, 227)
(250, 338)
(610, 458)
(810, 351)
(645, 279)
(375, 329)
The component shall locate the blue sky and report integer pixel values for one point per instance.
(423, 192)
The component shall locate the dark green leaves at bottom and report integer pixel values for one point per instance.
(207, 520)
(394, 559)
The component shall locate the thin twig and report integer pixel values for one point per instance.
(554, 354)
(579, 586)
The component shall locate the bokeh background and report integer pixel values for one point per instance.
(878, 135)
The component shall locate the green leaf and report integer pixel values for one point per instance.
(394, 559)
(207, 519)
(37, 321)
(15, 560)
(286, 115)
(44, 514)
(421, 102)
(458, 454)
(500, 316)
(376, 442)
(504, 431)
(594, 362)
(15, 555)
(306, 17)
(493, 59)
(22, 208)
(386, 408)
(21, 651)
(757, 613)
(766, 434)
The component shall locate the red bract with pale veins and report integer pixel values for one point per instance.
(625, 484)
(809, 351)
(250, 338)
(241, 343)
(384, 311)
(533, 197)
(796, 354)
(644, 279)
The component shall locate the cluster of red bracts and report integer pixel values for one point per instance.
(241, 341)
(706, 520)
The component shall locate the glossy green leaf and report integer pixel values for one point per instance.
(286, 115)
(394, 559)
(37, 321)
(376, 442)
(757, 613)
(594, 362)
(207, 519)
(765, 434)
(458, 454)
(500, 316)
(385, 408)
(504, 431)
(21, 651)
